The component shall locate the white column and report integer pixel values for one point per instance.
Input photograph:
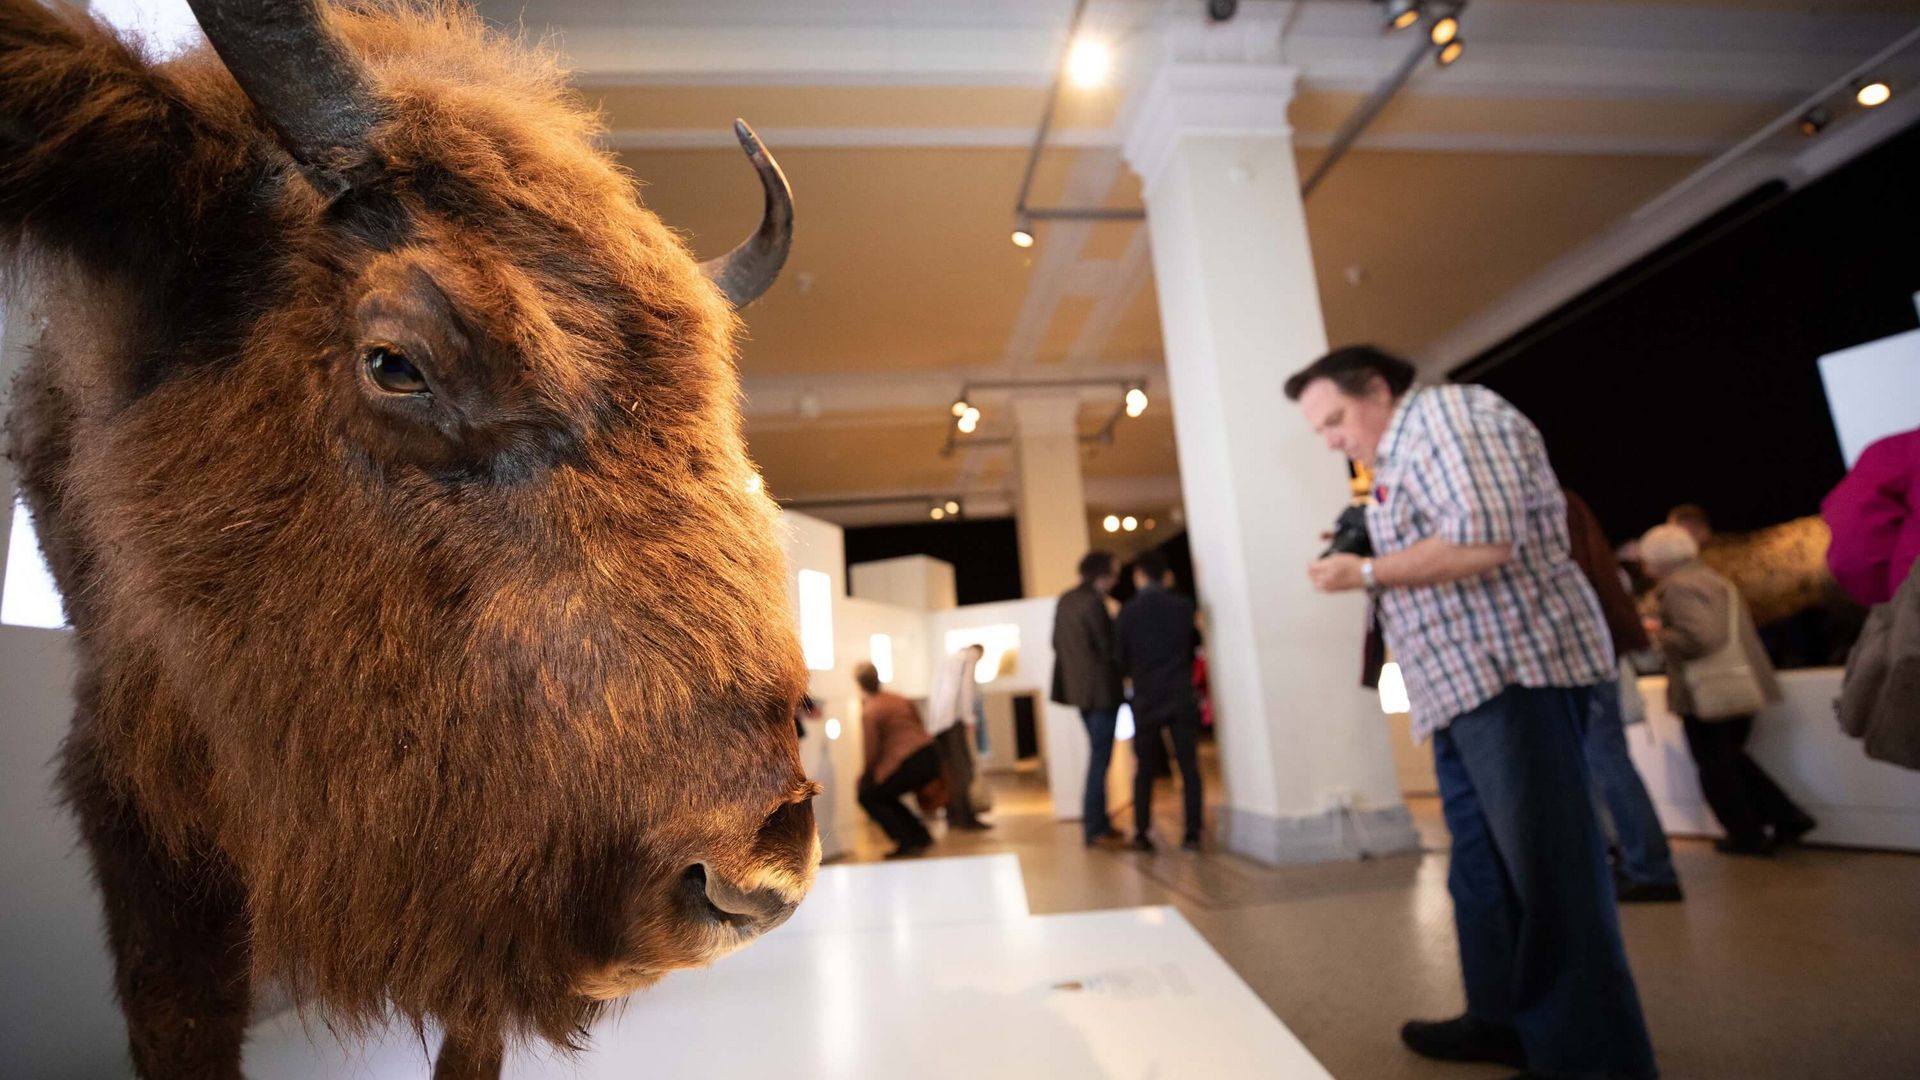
(1052, 505)
(1309, 769)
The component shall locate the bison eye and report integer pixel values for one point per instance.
(393, 372)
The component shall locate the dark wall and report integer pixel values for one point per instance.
(985, 554)
(1692, 376)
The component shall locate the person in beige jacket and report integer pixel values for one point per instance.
(1693, 624)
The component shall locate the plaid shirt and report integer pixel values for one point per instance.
(1460, 463)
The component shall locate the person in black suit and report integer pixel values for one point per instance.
(1087, 677)
(1154, 641)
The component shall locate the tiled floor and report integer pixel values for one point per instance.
(1805, 967)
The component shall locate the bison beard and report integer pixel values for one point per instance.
(436, 656)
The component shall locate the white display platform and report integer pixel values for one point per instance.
(917, 892)
(1859, 802)
(964, 988)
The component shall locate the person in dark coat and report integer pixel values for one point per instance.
(1154, 642)
(1087, 677)
(1644, 871)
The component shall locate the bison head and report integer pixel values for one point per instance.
(397, 487)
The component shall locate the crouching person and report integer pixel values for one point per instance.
(900, 759)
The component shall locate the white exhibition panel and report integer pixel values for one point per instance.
(879, 987)
(1063, 736)
(920, 892)
(1859, 802)
(1873, 391)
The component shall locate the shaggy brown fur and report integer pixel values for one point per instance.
(422, 705)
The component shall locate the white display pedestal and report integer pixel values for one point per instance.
(1859, 802)
(928, 969)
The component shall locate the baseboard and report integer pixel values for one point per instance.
(1332, 836)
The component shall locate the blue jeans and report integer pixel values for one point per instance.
(1644, 855)
(1093, 805)
(1540, 946)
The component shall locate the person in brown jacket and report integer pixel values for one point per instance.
(899, 758)
(1693, 624)
(1643, 864)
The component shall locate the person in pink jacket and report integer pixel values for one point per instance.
(1875, 517)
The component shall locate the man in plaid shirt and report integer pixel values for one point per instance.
(1500, 640)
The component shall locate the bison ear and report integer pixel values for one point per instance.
(98, 152)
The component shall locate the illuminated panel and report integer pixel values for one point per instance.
(1001, 645)
(816, 619)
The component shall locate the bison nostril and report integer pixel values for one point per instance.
(789, 828)
(693, 884)
(715, 899)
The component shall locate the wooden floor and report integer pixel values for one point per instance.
(1805, 967)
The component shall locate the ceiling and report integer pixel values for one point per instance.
(904, 127)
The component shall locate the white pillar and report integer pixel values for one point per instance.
(1052, 507)
(1309, 769)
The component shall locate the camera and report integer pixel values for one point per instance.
(1350, 534)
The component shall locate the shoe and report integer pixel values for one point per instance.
(907, 851)
(1108, 840)
(1464, 1038)
(1792, 834)
(1648, 892)
(1142, 842)
(1191, 843)
(1762, 850)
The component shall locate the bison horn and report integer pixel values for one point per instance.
(748, 271)
(303, 79)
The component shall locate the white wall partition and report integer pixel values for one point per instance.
(1859, 802)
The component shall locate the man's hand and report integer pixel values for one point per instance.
(1336, 573)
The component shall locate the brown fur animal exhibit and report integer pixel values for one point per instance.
(436, 655)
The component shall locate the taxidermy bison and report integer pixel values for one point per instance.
(436, 656)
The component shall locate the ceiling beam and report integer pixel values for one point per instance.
(773, 399)
(1791, 158)
(1520, 50)
(897, 506)
(884, 138)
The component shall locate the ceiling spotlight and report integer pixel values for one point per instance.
(1111, 523)
(937, 513)
(968, 421)
(1022, 231)
(1088, 64)
(1401, 14)
(1451, 50)
(1149, 524)
(1873, 93)
(1129, 523)
(1136, 401)
(961, 407)
(1815, 122)
(952, 507)
(1445, 29)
